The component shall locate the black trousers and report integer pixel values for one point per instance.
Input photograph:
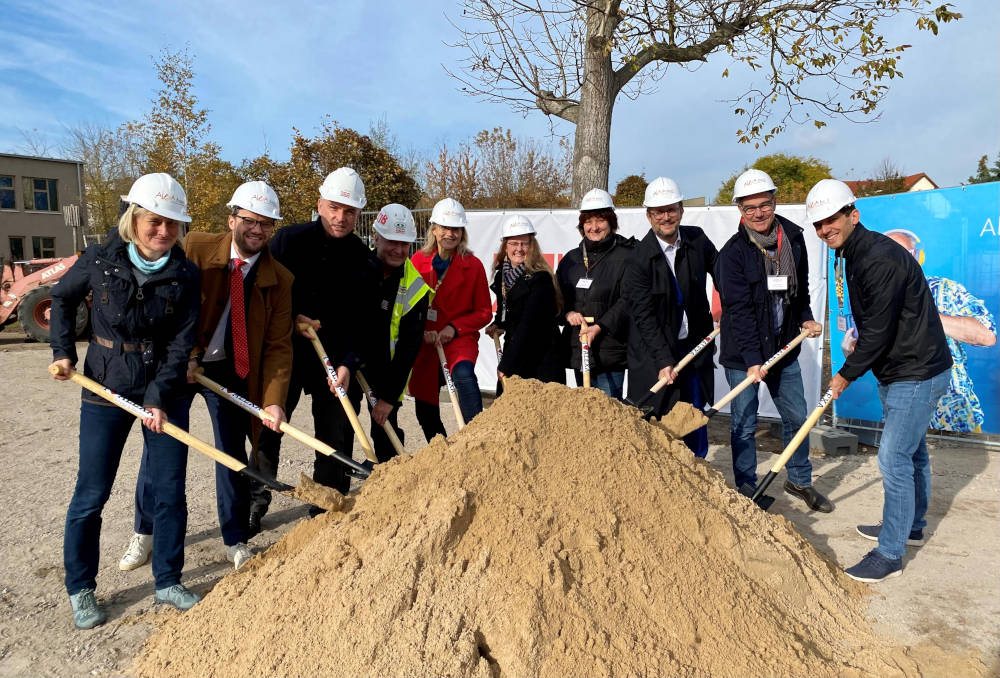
(331, 426)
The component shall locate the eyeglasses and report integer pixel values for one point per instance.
(517, 244)
(668, 211)
(763, 208)
(250, 223)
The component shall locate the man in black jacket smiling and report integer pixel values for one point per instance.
(665, 285)
(901, 340)
(762, 273)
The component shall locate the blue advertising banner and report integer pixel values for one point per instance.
(955, 235)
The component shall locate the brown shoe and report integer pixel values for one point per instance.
(808, 494)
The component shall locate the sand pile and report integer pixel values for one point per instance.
(558, 534)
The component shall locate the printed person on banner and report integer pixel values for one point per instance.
(901, 340)
(762, 274)
(335, 292)
(665, 286)
(244, 344)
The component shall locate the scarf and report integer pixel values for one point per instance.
(144, 265)
(511, 274)
(440, 265)
(784, 264)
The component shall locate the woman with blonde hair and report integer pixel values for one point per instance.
(528, 303)
(460, 307)
(144, 317)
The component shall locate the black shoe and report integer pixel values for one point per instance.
(253, 525)
(808, 494)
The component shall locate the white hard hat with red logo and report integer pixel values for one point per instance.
(257, 197)
(343, 185)
(161, 194)
(596, 199)
(517, 225)
(395, 222)
(662, 191)
(449, 212)
(751, 182)
(826, 198)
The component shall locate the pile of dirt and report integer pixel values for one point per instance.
(558, 534)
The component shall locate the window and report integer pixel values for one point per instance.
(7, 192)
(40, 195)
(16, 247)
(43, 248)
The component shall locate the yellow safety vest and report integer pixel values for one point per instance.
(412, 289)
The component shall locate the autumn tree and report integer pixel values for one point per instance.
(108, 171)
(985, 173)
(631, 191)
(297, 181)
(573, 58)
(454, 173)
(792, 174)
(887, 178)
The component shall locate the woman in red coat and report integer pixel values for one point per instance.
(460, 307)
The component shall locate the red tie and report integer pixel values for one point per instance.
(238, 321)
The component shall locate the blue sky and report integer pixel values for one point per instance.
(265, 67)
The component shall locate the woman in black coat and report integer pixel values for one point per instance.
(527, 307)
(590, 280)
(144, 316)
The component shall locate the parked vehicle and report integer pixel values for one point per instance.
(25, 294)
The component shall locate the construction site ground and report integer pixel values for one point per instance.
(949, 593)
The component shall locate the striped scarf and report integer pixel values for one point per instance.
(511, 274)
(785, 263)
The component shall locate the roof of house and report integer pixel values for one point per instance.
(908, 182)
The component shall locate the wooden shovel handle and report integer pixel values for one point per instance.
(803, 431)
(768, 363)
(692, 354)
(390, 432)
(451, 386)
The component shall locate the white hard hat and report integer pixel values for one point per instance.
(826, 198)
(751, 182)
(395, 222)
(257, 197)
(344, 185)
(449, 212)
(161, 194)
(596, 199)
(517, 225)
(662, 191)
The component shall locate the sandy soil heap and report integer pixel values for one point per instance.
(558, 534)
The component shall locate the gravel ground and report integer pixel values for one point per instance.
(949, 593)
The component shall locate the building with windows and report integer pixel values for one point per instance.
(34, 195)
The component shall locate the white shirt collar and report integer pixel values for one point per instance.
(233, 254)
(667, 247)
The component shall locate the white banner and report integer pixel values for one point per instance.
(557, 235)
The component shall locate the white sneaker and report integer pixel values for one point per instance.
(239, 554)
(138, 552)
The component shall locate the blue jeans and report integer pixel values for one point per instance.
(786, 389)
(103, 431)
(470, 399)
(611, 383)
(232, 489)
(697, 440)
(903, 460)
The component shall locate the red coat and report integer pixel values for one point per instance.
(462, 301)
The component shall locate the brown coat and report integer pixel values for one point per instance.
(269, 314)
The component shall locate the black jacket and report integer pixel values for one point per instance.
(747, 337)
(900, 337)
(651, 292)
(336, 282)
(604, 301)
(531, 336)
(390, 371)
(162, 313)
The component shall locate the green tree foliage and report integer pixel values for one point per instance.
(498, 170)
(985, 173)
(631, 191)
(297, 181)
(888, 178)
(792, 174)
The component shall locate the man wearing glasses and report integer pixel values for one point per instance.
(244, 344)
(336, 293)
(665, 285)
(762, 274)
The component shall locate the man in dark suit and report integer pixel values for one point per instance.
(244, 344)
(665, 284)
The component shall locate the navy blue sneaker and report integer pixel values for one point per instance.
(875, 567)
(916, 537)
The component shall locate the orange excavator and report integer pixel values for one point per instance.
(25, 294)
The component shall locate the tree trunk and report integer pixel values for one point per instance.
(591, 146)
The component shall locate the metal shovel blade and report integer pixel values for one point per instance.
(757, 496)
